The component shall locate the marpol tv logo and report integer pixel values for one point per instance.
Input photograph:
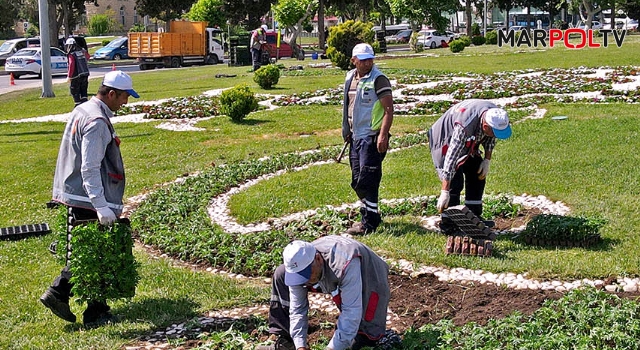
(573, 38)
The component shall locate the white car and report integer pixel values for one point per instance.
(595, 25)
(432, 38)
(29, 61)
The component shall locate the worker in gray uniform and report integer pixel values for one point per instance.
(355, 277)
(454, 140)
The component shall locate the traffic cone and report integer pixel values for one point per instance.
(11, 80)
(113, 67)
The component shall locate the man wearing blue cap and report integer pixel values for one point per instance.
(367, 116)
(351, 272)
(89, 180)
(454, 140)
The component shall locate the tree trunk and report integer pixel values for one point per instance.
(53, 24)
(467, 6)
(321, 39)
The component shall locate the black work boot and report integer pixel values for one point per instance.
(58, 306)
(97, 313)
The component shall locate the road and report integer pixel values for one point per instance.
(32, 81)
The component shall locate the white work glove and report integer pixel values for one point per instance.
(484, 169)
(106, 216)
(443, 201)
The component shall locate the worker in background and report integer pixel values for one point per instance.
(78, 71)
(258, 38)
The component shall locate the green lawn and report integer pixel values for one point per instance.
(587, 161)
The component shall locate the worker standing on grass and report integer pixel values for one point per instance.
(89, 180)
(78, 71)
(258, 38)
(454, 140)
(366, 120)
(351, 272)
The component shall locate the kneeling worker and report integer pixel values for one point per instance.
(350, 271)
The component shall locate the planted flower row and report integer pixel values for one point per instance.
(175, 218)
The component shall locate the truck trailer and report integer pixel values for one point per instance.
(185, 44)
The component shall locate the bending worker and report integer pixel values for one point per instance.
(454, 140)
(350, 271)
(366, 120)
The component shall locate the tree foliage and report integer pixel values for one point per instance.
(165, 10)
(8, 14)
(100, 24)
(424, 11)
(344, 37)
(209, 11)
(294, 15)
(247, 12)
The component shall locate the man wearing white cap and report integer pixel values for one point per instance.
(351, 272)
(367, 116)
(454, 140)
(89, 180)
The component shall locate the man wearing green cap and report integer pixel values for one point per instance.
(454, 140)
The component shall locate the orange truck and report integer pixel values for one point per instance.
(185, 44)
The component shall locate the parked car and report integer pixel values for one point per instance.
(431, 38)
(452, 35)
(12, 46)
(285, 48)
(115, 50)
(29, 61)
(595, 25)
(80, 41)
(518, 28)
(403, 36)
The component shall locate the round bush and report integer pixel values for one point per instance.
(478, 40)
(457, 45)
(492, 38)
(105, 42)
(237, 102)
(267, 76)
(465, 39)
(344, 37)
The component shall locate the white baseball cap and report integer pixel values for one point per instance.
(70, 41)
(298, 257)
(264, 27)
(498, 120)
(120, 80)
(363, 51)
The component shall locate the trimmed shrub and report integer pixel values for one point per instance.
(100, 24)
(238, 102)
(475, 29)
(478, 40)
(465, 39)
(267, 76)
(105, 42)
(344, 37)
(492, 38)
(457, 45)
